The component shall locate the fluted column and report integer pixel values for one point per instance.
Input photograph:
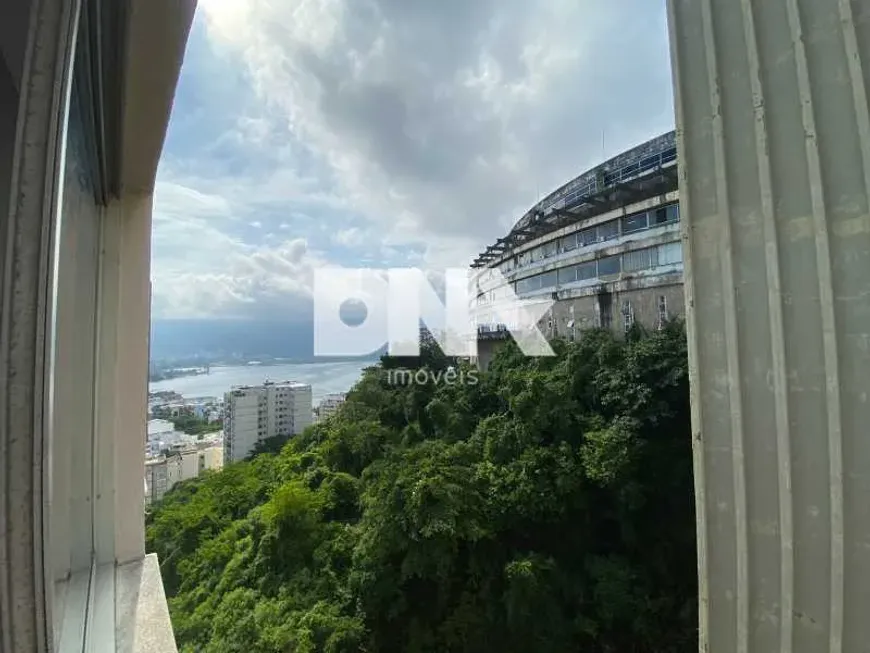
(774, 149)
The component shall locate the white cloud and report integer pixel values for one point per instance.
(199, 270)
(444, 121)
(351, 237)
(387, 128)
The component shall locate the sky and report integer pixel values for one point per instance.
(310, 134)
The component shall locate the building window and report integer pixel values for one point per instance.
(609, 266)
(603, 312)
(567, 275)
(666, 214)
(634, 223)
(588, 236)
(549, 279)
(636, 260)
(663, 311)
(608, 230)
(537, 282)
(582, 272)
(587, 271)
(670, 253)
(525, 285)
(627, 316)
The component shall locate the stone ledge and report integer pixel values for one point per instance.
(142, 614)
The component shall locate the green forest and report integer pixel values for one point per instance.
(547, 507)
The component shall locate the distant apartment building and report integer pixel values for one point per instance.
(329, 405)
(156, 483)
(200, 407)
(159, 427)
(162, 435)
(181, 463)
(256, 413)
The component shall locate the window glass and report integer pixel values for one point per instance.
(548, 279)
(549, 249)
(588, 236)
(569, 243)
(636, 260)
(608, 266)
(670, 253)
(666, 214)
(608, 230)
(530, 284)
(633, 223)
(568, 275)
(586, 271)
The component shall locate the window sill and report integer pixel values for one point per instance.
(116, 608)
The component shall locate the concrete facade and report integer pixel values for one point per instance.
(165, 471)
(774, 150)
(611, 265)
(329, 405)
(256, 413)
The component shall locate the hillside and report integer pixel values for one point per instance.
(548, 507)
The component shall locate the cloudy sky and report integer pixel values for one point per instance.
(310, 133)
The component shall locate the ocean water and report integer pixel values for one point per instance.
(324, 378)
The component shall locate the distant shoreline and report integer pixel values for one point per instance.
(169, 371)
(324, 378)
(168, 375)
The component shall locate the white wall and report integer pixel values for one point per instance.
(241, 428)
(261, 412)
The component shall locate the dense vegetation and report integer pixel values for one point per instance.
(546, 508)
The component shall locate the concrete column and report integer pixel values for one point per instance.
(121, 379)
(774, 146)
(133, 320)
(28, 219)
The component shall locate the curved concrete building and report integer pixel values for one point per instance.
(606, 246)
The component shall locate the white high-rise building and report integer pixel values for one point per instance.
(329, 405)
(257, 413)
